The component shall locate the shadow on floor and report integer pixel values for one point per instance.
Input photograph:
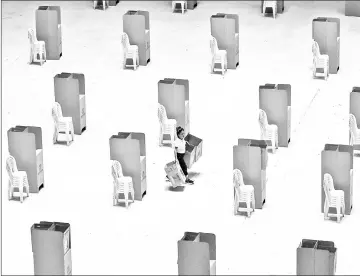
(177, 189)
(122, 204)
(193, 175)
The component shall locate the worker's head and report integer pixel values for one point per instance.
(180, 132)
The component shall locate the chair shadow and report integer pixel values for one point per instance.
(175, 189)
(122, 204)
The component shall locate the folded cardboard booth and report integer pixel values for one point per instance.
(175, 174)
(25, 145)
(70, 94)
(279, 5)
(193, 150)
(48, 29)
(129, 149)
(326, 32)
(225, 28)
(250, 157)
(275, 100)
(51, 247)
(352, 8)
(337, 160)
(314, 257)
(197, 254)
(136, 24)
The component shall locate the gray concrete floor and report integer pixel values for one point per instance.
(143, 239)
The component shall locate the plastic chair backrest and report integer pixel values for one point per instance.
(315, 49)
(116, 169)
(125, 41)
(328, 186)
(31, 36)
(353, 124)
(11, 166)
(56, 112)
(213, 45)
(238, 181)
(162, 114)
(263, 119)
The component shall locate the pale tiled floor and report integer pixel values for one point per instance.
(143, 239)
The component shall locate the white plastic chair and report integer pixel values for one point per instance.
(333, 198)
(105, 4)
(268, 132)
(272, 5)
(129, 52)
(354, 131)
(217, 56)
(17, 179)
(167, 126)
(37, 48)
(319, 61)
(182, 3)
(62, 124)
(122, 184)
(243, 194)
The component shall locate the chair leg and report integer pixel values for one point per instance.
(10, 191)
(236, 204)
(67, 136)
(338, 214)
(72, 133)
(326, 210)
(248, 207)
(253, 202)
(273, 142)
(31, 56)
(55, 135)
(126, 196)
(21, 191)
(124, 62)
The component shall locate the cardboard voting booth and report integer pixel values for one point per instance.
(225, 28)
(197, 254)
(136, 24)
(315, 257)
(25, 145)
(129, 149)
(51, 247)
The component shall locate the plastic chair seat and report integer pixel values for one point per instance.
(125, 179)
